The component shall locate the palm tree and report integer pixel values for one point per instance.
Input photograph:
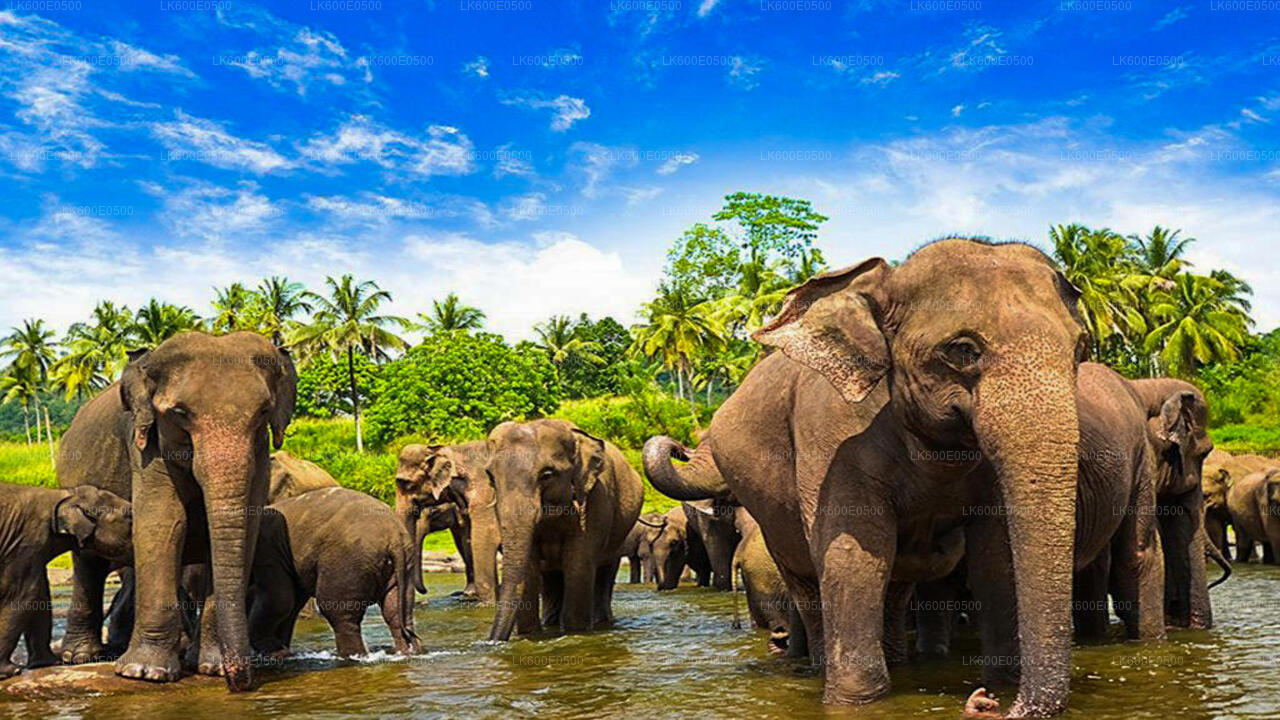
(559, 337)
(450, 314)
(1159, 254)
(1233, 290)
(158, 321)
(20, 386)
(278, 302)
(1095, 262)
(96, 351)
(31, 352)
(1198, 324)
(348, 322)
(678, 331)
(232, 308)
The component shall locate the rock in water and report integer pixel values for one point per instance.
(61, 681)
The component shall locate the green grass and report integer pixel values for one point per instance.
(22, 464)
(1248, 438)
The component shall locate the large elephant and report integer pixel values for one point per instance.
(1254, 503)
(36, 525)
(709, 521)
(566, 501)
(975, 425)
(185, 434)
(1178, 425)
(768, 601)
(449, 483)
(345, 549)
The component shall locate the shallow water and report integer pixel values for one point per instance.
(677, 655)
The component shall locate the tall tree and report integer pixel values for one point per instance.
(1198, 324)
(348, 322)
(559, 338)
(279, 301)
(231, 308)
(158, 321)
(450, 314)
(96, 350)
(20, 385)
(1159, 254)
(31, 350)
(677, 331)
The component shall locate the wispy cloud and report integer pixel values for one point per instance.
(477, 68)
(676, 161)
(209, 212)
(565, 110)
(1179, 13)
(443, 151)
(194, 139)
(743, 71)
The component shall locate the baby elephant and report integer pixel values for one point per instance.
(342, 547)
(36, 525)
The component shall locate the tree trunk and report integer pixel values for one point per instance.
(48, 433)
(680, 380)
(26, 424)
(355, 396)
(39, 434)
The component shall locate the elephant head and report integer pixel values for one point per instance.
(542, 473)
(1216, 483)
(979, 344)
(427, 476)
(1182, 438)
(665, 548)
(209, 408)
(101, 522)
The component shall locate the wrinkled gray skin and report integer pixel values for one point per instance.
(1177, 422)
(448, 483)
(665, 550)
(897, 411)
(185, 434)
(292, 476)
(1254, 504)
(345, 549)
(768, 601)
(36, 525)
(565, 501)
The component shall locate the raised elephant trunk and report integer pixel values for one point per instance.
(698, 480)
(224, 466)
(1025, 419)
(409, 516)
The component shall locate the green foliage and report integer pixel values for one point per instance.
(630, 420)
(456, 386)
(324, 386)
(329, 443)
(582, 377)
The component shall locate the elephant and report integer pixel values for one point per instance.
(292, 476)
(185, 434)
(1254, 503)
(449, 482)
(665, 550)
(344, 548)
(904, 403)
(1177, 421)
(768, 601)
(36, 525)
(566, 500)
(1221, 469)
(638, 566)
(712, 536)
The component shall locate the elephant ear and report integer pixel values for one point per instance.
(829, 325)
(71, 518)
(136, 391)
(286, 396)
(591, 463)
(1177, 425)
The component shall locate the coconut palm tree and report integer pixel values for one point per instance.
(232, 308)
(31, 351)
(347, 322)
(96, 350)
(678, 330)
(20, 385)
(1159, 254)
(279, 301)
(559, 337)
(450, 314)
(1198, 324)
(158, 321)
(1095, 262)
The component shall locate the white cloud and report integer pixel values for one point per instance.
(212, 213)
(444, 151)
(530, 206)
(1179, 13)
(200, 140)
(881, 78)
(1250, 114)
(743, 71)
(511, 161)
(638, 195)
(955, 111)
(303, 57)
(370, 208)
(706, 6)
(674, 162)
(565, 110)
(477, 68)
(595, 163)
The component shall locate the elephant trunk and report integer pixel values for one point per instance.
(517, 564)
(1026, 423)
(226, 474)
(409, 515)
(698, 480)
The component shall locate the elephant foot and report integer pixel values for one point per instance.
(210, 662)
(150, 663)
(8, 670)
(42, 660)
(78, 651)
(778, 641)
(982, 705)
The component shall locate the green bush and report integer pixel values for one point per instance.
(628, 421)
(456, 386)
(331, 444)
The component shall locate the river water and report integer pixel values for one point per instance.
(676, 654)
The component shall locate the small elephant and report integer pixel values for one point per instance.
(1254, 502)
(638, 565)
(665, 550)
(566, 501)
(36, 525)
(449, 483)
(1221, 470)
(768, 601)
(342, 547)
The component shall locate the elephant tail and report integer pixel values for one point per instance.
(733, 588)
(698, 479)
(403, 584)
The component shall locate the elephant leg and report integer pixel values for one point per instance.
(160, 529)
(633, 565)
(1089, 600)
(805, 611)
(527, 621)
(935, 615)
(461, 533)
(120, 613)
(602, 607)
(1272, 527)
(579, 595)
(1200, 608)
(1175, 537)
(12, 627)
(553, 590)
(398, 621)
(344, 617)
(485, 539)
(82, 642)
(990, 568)
(1268, 553)
(720, 546)
(39, 633)
(270, 606)
(896, 607)
(1138, 576)
(1244, 546)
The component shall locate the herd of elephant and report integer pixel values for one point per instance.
(922, 431)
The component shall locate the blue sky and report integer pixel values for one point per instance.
(539, 157)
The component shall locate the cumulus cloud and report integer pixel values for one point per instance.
(565, 110)
(477, 68)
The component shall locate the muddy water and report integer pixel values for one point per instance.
(676, 655)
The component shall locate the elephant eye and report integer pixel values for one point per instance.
(961, 353)
(546, 474)
(180, 411)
